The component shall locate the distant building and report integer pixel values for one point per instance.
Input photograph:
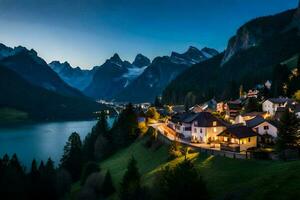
(268, 84)
(209, 106)
(196, 109)
(271, 105)
(178, 109)
(241, 119)
(234, 108)
(251, 115)
(221, 107)
(252, 93)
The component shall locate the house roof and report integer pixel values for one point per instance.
(278, 100)
(206, 119)
(179, 117)
(238, 132)
(255, 121)
(178, 108)
(203, 119)
(237, 101)
(254, 114)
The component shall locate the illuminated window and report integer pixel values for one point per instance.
(214, 123)
(215, 129)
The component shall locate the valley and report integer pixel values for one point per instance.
(150, 100)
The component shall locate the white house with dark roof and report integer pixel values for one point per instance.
(199, 127)
(267, 130)
(271, 105)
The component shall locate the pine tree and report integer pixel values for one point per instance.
(252, 105)
(280, 78)
(49, 168)
(130, 185)
(101, 128)
(42, 167)
(89, 168)
(72, 158)
(157, 102)
(184, 177)
(125, 129)
(102, 148)
(12, 183)
(34, 174)
(48, 188)
(288, 135)
(108, 187)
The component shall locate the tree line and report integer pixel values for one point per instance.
(78, 163)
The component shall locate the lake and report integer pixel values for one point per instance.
(42, 140)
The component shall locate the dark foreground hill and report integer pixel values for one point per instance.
(225, 178)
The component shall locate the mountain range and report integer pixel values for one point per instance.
(161, 72)
(34, 69)
(115, 75)
(138, 81)
(28, 84)
(59, 91)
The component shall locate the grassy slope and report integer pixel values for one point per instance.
(10, 115)
(148, 160)
(237, 179)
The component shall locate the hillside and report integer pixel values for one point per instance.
(225, 177)
(39, 103)
(248, 60)
(10, 115)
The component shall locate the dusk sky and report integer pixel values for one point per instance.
(87, 32)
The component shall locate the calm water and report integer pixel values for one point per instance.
(41, 141)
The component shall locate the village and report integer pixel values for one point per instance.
(247, 124)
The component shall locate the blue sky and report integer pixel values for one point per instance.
(87, 32)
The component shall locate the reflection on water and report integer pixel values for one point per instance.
(41, 141)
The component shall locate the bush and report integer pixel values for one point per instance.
(152, 113)
(175, 150)
(89, 168)
(181, 182)
(261, 155)
(92, 188)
